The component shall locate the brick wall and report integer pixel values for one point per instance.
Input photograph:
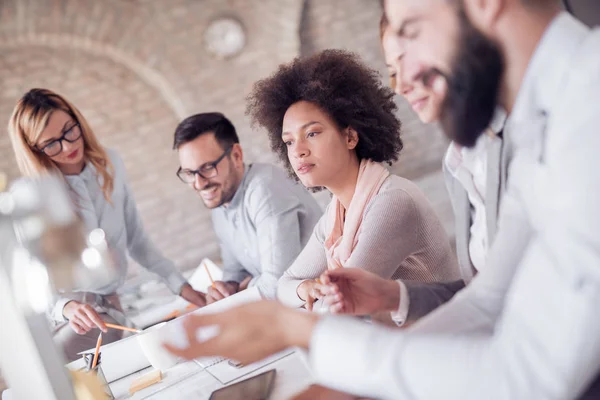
(135, 68)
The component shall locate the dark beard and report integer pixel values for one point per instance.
(228, 189)
(473, 86)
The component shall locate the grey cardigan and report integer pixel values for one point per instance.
(425, 297)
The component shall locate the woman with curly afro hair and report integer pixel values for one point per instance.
(332, 123)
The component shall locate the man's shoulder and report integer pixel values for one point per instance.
(581, 89)
(586, 60)
(267, 177)
(271, 184)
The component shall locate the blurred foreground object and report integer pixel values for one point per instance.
(41, 247)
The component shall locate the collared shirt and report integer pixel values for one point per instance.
(527, 325)
(264, 227)
(124, 232)
(469, 167)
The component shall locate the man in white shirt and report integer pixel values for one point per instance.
(527, 326)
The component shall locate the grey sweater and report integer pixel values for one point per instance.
(400, 237)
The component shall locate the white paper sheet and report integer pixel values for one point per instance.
(171, 377)
(175, 333)
(292, 376)
(197, 386)
(226, 373)
(199, 280)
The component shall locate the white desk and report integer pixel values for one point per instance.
(188, 380)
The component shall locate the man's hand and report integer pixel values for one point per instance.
(219, 290)
(358, 292)
(310, 291)
(248, 333)
(82, 317)
(193, 296)
(244, 284)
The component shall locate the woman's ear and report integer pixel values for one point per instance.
(351, 138)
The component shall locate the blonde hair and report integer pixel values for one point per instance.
(29, 119)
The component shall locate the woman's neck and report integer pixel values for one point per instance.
(345, 183)
(72, 169)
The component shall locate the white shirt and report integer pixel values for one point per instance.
(527, 326)
(469, 167)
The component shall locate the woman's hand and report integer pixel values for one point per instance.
(82, 317)
(310, 291)
(359, 292)
(219, 290)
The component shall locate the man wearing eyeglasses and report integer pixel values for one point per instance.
(261, 217)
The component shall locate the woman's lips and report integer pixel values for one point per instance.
(419, 104)
(73, 154)
(305, 168)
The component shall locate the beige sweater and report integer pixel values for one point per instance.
(400, 237)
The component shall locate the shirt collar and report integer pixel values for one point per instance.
(455, 156)
(549, 65)
(239, 193)
(498, 120)
(88, 173)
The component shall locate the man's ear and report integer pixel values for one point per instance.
(484, 14)
(237, 154)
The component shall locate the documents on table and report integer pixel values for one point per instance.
(226, 372)
(125, 356)
(199, 280)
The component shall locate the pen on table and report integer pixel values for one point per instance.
(123, 328)
(98, 344)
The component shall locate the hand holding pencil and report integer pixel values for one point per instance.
(219, 290)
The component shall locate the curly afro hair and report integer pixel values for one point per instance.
(342, 86)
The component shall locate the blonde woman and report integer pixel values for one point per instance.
(49, 135)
